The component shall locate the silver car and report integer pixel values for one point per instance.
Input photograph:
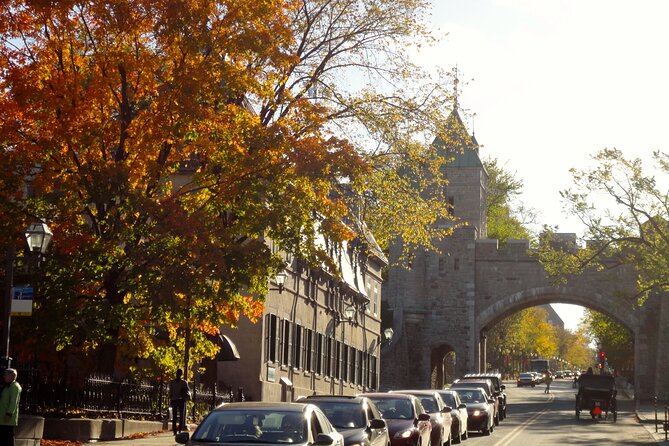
(268, 423)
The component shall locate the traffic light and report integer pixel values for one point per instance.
(602, 355)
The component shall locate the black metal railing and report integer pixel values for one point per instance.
(101, 395)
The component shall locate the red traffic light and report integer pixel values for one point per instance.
(602, 354)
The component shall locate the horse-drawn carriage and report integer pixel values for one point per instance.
(596, 394)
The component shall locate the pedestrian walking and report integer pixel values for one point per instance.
(9, 407)
(549, 380)
(179, 394)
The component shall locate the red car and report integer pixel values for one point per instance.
(408, 422)
(440, 415)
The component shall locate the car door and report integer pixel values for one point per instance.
(376, 426)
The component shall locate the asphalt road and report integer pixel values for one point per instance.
(535, 418)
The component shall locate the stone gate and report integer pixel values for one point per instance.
(444, 303)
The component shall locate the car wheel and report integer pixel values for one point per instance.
(487, 431)
(465, 435)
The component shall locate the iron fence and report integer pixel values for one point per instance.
(101, 395)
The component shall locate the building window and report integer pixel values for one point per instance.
(297, 346)
(286, 343)
(271, 337)
(373, 375)
(337, 361)
(328, 356)
(360, 374)
(319, 353)
(309, 350)
(352, 367)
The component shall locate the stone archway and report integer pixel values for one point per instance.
(630, 316)
(443, 361)
(622, 310)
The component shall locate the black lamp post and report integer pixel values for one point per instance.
(38, 236)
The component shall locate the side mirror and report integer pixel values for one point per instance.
(377, 423)
(423, 417)
(462, 406)
(323, 440)
(503, 386)
(447, 409)
(182, 437)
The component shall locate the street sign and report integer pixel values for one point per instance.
(22, 301)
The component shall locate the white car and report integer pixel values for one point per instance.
(268, 423)
(458, 414)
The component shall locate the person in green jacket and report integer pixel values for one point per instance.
(9, 407)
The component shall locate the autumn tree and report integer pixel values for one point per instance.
(164, 142)
(353, 59)
(612, 338)
(506, 218)
(137, 126)
(625, 212)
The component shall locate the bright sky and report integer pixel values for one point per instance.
(554, 81)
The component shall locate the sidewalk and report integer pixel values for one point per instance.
(165, 438)
(646, 413)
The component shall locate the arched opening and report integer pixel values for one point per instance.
(563, 349)
(442, 366)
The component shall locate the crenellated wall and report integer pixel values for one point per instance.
(449, 299)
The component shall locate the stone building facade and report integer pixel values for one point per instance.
(319, 333)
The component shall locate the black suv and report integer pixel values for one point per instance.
(496, 379)
(355, 417)
(489, 388)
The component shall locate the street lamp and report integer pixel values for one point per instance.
(38, 236)
(387, 336)
(280, 280)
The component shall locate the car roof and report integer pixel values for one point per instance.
(483, 375)
(250, 405)
(340, 398)
(473, 388)
(388, 395)
(422, 392)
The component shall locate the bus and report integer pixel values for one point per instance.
(539, 365)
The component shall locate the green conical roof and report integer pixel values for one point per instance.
(457, 143)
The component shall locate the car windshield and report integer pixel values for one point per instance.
(252, 426)
(472, 396)
(394, 408)
(429, 404)
(449, 400)
(342, 415)
(525, 375)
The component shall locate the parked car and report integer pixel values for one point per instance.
(489, 388)
(559, 374)
(500, 388)
(526, 379)
(267, 423)
(480, 409)
(355, 417)
(408, 422)
(458, 414)
(440, 415)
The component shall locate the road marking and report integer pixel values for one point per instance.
(508, 438)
